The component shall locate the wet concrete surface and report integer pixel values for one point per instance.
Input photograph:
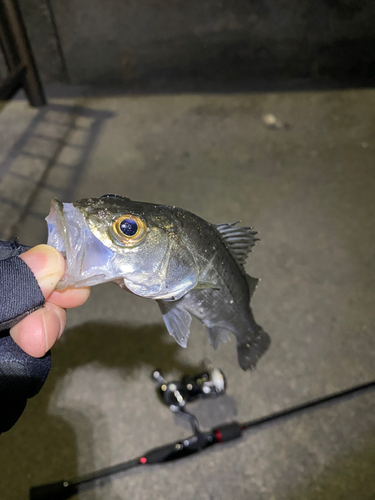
(307, 185)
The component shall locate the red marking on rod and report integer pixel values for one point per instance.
(218, 435)
(143, 460)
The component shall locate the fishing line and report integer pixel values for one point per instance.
(210, 383)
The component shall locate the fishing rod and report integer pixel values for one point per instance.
(176, 394)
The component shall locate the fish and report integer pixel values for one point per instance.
(188, 265)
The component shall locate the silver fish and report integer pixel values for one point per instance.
(188, 265)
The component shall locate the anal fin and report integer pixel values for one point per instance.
(216, 335)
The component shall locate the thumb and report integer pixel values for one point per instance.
(47, 265)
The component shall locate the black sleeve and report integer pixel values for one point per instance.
(21, 375)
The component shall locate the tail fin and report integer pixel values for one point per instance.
(252, 349)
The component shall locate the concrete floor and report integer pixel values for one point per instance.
(308, 187)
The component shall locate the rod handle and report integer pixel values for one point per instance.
(56, 491)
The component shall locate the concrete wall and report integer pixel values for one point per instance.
(115, 41)
(44, 39)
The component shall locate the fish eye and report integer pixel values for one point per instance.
(129, 229)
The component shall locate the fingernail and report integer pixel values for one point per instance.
(47, 265)
(62, 327)
(54, 324)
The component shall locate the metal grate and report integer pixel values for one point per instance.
(17, 65)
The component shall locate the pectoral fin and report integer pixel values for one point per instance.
(202, 285)
(176, 319)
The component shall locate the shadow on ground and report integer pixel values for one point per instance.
(126, 348)
(51, 154)
(112, 346)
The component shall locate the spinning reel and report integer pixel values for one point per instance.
(211, 383)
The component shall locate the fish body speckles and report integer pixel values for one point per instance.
(188, 265)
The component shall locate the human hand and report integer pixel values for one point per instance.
(38, 331)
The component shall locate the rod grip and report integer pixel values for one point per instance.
(56, 491)
(227, 432)
(161, 454)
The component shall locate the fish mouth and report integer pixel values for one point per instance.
(65, 238)
(57, 227)
(88, 261)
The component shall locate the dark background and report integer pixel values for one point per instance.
(156, 41)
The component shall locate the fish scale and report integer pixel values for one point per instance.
(227, 309)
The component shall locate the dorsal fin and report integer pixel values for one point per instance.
(252, 284)
(238, 240)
